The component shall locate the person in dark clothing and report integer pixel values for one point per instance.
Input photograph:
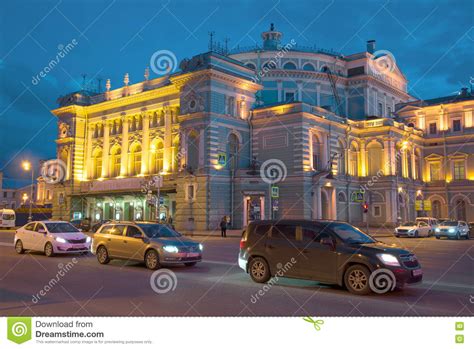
(223, 225)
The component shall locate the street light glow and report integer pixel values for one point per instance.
(26, 165)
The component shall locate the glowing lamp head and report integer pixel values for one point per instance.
(26, 165)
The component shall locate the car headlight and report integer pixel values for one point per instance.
(201, 247)
(88, 239)
(170, 249)
(61, 240)
(388, 259)
(437, 230)
(452, 230)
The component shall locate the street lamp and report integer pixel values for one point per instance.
(27, 167)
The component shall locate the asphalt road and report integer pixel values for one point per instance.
(217, 287)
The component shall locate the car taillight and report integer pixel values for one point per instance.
(242, 243)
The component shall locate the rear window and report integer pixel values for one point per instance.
(284, 231)
(262, 229)
(8, 216)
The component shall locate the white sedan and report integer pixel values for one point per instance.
(51, 237)
(413, 229)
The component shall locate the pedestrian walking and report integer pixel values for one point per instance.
(223, 226)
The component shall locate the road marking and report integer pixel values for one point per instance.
(8, 244)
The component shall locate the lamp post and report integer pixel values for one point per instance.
(27, 167)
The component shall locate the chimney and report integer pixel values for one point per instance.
(371, 46)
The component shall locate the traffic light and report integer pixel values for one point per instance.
(365, 207)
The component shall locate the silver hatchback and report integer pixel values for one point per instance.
(152, 243)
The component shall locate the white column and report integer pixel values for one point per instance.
(280, 90)
(105, 149)
(88, 162)
(124, 156)
(167, 141)
(413, 162)
(145, 143)
(333, 204)
(363, 160)
(317, 209)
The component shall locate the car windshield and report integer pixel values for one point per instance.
(8, 216)
(158, 231)
(61, 228)
(350, 234)
(450, 223)
(408, 224)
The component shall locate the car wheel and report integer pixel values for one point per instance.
(458, 236)
(356, 279)
(397, 236)
(152, 260)
(48, 250)
(259, 270)
(19, 247)
(190, 264)
(416, 234)
(103, 255)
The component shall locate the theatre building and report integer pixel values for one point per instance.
(266, 132)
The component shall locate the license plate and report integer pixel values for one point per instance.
(194, 254)
(417, 272)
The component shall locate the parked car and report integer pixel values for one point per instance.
(98, 224)
(51, 237)
(152, 243)
(413, 229)
(326, 251)
(452, 230)
(81, 224)
(432, 222)
(471, 228)
(7, 218)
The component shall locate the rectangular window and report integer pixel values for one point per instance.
(389, 111)
(456, 125)
(190, 192)
(4, 194)
(380, 109)
(289, 97)
(459, 169)
(435, 171)
(433, 130)
(377, 211)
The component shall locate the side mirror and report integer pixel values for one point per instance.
(327, 241)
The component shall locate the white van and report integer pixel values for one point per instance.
(7, 218)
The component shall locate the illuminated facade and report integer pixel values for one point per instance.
(210, 130)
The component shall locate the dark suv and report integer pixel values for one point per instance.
(326, 251)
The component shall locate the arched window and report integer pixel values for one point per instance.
(135, 160)
(375, 157)
(353, 160)
(157, 157)
(436, 209)
(324, 69)
(233, 143)
(193, 150)
(251, 66)
(316, 152)
(341, 197)
(289, 66)
(97, 164)
(460, 208)
(308, 67)
(115, 161)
